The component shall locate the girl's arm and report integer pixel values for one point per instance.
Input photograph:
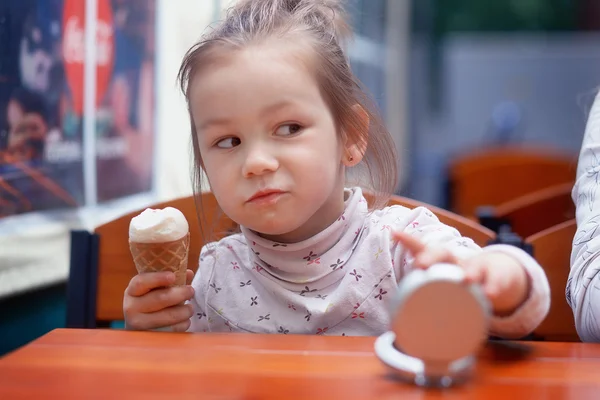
(505, 272)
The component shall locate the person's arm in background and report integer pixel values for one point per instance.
(583, 285)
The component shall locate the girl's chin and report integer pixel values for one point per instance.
(261, 231)
(278, 234)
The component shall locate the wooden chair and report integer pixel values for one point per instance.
(101, 265)
(493, 177)
(533, 212)
(552, 249)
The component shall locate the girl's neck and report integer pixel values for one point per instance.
(314, 259)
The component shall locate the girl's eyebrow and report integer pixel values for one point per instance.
(275, 107)
(212, 122)
(264, 112)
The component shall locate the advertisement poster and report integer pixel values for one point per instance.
(42, 91)
(125, 91)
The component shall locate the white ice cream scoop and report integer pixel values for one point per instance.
(157, 226)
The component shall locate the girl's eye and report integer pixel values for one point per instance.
(288, 129)
(229, 143)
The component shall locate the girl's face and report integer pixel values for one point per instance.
(269, 143)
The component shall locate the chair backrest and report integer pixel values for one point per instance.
(492, 177)
(534, 212)
(115, 266)
(552, 249)
(468, 228)
(102, 265)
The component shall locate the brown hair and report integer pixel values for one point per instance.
(323, 23)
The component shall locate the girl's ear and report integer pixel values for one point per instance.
(356, 141)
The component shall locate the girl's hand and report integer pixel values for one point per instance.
(149, 302)
(503, 279)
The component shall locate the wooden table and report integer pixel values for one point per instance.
(76, 364)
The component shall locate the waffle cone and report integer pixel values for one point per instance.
(165, 256)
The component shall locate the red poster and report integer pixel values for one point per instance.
(125, 128)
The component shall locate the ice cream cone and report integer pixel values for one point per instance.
(162, 256)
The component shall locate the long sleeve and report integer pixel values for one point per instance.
(535, 308)
(338, 282)
(583, 285)
(425, 226)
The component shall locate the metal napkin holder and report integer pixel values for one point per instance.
(438, 323)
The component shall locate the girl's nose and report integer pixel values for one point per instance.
(259, 161)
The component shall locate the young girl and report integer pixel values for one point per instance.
(277, 121)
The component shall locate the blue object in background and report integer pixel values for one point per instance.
(27, 316)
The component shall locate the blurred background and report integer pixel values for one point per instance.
(80, 146)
